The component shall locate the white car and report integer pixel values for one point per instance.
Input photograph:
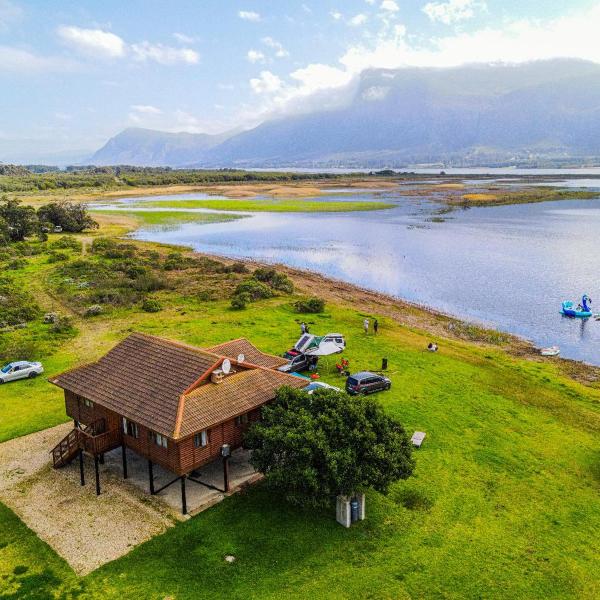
(20, 370)
(319, 385)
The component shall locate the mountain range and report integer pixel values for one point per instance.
(469, 115)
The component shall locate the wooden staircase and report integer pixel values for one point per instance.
(93, 439)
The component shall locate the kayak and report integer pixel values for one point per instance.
(550, 351)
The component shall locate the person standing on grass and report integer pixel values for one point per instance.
(366, 326)
(303, 327)
(375, 326)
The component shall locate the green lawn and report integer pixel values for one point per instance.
(504, 503)
(273, 205)
(169, 217)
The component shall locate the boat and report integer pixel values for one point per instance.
(550, 351)
(582, 311)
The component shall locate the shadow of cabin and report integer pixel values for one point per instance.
(171, 403)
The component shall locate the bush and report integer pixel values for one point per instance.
(54, 257)
(282, 283)
(72, 217)
(150, 305)
(16, 264)
(111, 249)
(62, 324)
(18, 348)
(265, 275)
(93, 310)
(310, 305)
(240, 301)
(254, 289)
(66, 242)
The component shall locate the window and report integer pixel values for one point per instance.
(241, 420)
(88, 403)
(158, 439)
(130, 428)
(201, 439)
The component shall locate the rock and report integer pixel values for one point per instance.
(230, 558)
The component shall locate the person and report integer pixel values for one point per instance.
(432, 347)
(303, 327)
(366, 325)
(375, 326)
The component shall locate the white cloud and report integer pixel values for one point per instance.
(184, 38)
(249, 15)
(307, 9)
(280, 51)
(146, 109)
(22, 61)
(453, 10)
(94, 42)
(389, 5)
(371, 2)
(255, 56)
(104, 44)
(267, 83)
(164, 55)
(226, 86)
(358, 19)
(336, 15)
(9, 13)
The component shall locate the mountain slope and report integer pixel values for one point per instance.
(477, 114)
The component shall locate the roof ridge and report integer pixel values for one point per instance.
(170, 342)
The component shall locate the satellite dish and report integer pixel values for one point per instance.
(241, 358)
(226, 366)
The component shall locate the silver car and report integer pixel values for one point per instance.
(20, 370)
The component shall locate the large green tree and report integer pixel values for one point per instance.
(72, 217)
(316, 447)
(20, 221)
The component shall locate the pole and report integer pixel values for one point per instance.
(81, 471)
(151, 477)
(124, 457)
(226, 473)
(183, 498)
(97, 474)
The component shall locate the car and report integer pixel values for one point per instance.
(20, 370)
(301, 362)
(366, 382)
(319, 385)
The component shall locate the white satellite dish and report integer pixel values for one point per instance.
(226, 366)
(241, 358)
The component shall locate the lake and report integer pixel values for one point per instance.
(509, 267)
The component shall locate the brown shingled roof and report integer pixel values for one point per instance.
(238, 393)
(251, 353)
(142, 378)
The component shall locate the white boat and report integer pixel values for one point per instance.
(550, 351)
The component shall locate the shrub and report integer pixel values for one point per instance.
(72, 217)
(18, 348)
(54, 257)
(310, 305)
(150, 305)
(254, 289)
(16, 263)
(265, 275)
(16, 305)
(111, 249)
(62, 324)
(66, 242)
(240, 301)
(93, 310)
(282, 283)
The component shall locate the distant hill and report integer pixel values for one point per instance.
(146, 147)
(476, 114)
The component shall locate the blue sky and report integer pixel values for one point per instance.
(74, 73)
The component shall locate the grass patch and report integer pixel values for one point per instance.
(167, 217)
(273, 205)
(522, 196)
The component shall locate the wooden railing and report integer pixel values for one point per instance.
(66, 449)
(98, 444)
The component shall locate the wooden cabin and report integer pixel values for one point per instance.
(176, 405)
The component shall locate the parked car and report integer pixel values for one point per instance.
(301, 362)
(366, 382)
(20, 370)
(319, 385)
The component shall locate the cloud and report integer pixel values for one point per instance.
(453, 10)
(336, 15)
(358, 19)
(255, 56)
(94, 42)
(164, 55)
(280, 51)
(249, 15)
(307, 9)
(389, 5)
(267, 83)
(22, 61)
(184, 38)
(9, 13)
(146, 109)
(104, 44)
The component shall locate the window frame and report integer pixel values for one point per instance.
(201, 439)
(135, 432)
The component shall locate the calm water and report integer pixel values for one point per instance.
(509, 267)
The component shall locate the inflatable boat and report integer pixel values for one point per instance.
(582, 311)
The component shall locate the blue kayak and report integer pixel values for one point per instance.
(582, 311)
